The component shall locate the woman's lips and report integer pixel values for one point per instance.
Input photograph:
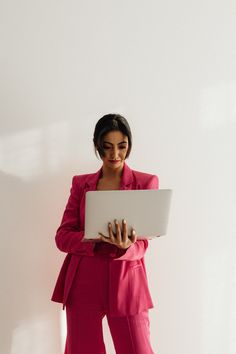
(114, 161)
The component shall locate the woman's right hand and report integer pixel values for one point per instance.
(121, 239)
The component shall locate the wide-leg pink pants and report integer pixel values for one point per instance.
(88, 304)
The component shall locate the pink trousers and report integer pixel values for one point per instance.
(86, 307)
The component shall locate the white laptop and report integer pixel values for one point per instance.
(147, 211)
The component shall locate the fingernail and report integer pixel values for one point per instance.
(124, 221)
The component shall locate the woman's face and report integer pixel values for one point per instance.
(115, 145)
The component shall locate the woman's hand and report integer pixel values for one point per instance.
(121, 238)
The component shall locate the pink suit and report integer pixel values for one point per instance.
(118, 276)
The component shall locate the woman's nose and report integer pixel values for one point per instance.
(114, 153)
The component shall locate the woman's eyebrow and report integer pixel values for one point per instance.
(122, 142)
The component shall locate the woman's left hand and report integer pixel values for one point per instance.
(121, 238)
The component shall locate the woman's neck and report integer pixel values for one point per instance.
(110, 173)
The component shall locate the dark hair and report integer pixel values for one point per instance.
(110, 122)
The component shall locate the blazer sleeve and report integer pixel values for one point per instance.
(68, 236)
(137, 250)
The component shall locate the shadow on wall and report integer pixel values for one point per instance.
(30, 324)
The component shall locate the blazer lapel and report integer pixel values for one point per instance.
(126, 177)
(92, 180)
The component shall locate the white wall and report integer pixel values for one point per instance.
(169, 67)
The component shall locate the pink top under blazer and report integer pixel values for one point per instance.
(128, 291)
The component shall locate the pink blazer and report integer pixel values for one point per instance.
(129, 293)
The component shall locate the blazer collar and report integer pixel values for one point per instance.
(126, 178)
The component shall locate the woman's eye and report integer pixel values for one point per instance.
(108, 147)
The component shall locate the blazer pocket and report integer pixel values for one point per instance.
(138, 285)
(136, 266)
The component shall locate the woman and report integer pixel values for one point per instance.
(106, 277)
